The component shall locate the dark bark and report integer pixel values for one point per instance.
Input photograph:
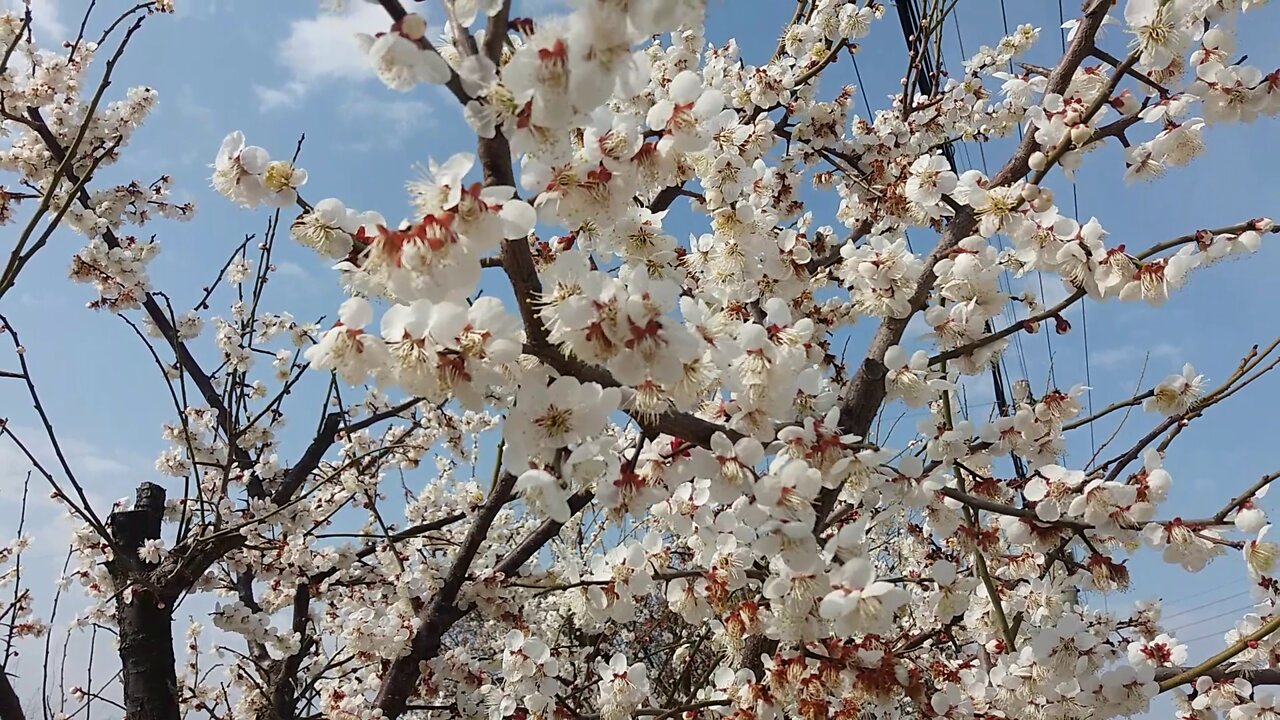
(10, 705)
(145, 621)
(284, 693)
(402, 677)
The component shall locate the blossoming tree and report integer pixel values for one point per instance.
(689, 513)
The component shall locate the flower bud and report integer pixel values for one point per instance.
(1080, 134)
(1043, 202)
(1073, 118)
(1030, 192)
(413, 26)
(1060, 325)
(1022, 391)
(1038, 161)
(1126, 103)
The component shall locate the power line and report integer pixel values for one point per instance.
(1202, 621)
(1048, 336)
(909, 17)
(1192, 596)
(1084, 314)
(862, 89)
(1004, 281)
(1206, 637)
(1211, 603)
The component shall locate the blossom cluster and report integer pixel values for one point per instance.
(692, 510)
(735, 327)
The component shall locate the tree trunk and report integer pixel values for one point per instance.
(145, 621)
(146, 652)
(10, 705)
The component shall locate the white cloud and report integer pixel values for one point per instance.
(1125, 355)
(274, 98)
(397, 117)
(202, 10)
(541, 8)
(45, 17)
(324, 47)
(188, 105)
(103, 473)
(288, 268)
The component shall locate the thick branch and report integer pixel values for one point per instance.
(145, 620)
(284, 691)
(440, 615)
(864, 399)
(10, 705)
(514, 560)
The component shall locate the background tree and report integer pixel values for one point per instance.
(646, 477)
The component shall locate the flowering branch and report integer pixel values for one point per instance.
(1221, 658)
(1198, 236)
(441, 613)
(867, 393)
(752, 545)
(1141, 77)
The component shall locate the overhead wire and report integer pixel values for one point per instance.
(1202, 621)
(1048, 336)
(1004, 281)
(862, 89)
(1206, 636)
(1084, 310)
(1192, 596)
(1211, 603)
(1007, 283)
(1002, 383)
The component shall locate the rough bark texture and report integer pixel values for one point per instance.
(285, 691)
(145, 621)
(442, 612)
(10, 705)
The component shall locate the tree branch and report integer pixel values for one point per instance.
(440, 615)
(1232, 650)
(10, 705)
(860, 405)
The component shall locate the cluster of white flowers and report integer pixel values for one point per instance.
(59, 134)
(691, 514)
(19, 604)
(735, 329)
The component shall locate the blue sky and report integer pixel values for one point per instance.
(277, 69)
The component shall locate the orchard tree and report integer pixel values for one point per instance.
(644, 479)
